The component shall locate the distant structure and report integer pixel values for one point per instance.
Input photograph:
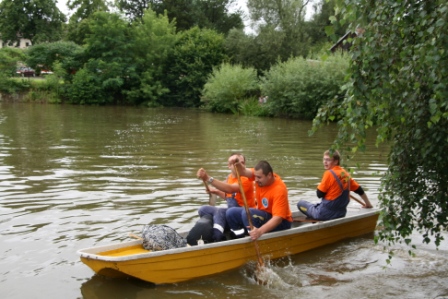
(22, 44)
(345, 45)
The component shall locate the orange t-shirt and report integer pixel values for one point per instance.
(273, 198)
(248, 187)
(330, 186)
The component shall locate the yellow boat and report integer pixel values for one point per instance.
(181, 264)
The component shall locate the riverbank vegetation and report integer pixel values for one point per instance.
(160, 56)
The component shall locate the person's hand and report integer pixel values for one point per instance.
(233, 160)
(202, 174)
(368, 205)
(239, 167)
(255, 233)
(213, 190)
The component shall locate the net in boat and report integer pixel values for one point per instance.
(161, 237)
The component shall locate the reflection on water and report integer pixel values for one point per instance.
(75, 177)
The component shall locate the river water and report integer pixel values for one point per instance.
(73, 177)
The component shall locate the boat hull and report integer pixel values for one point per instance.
(181, 264)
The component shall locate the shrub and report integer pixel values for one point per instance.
(228, 87)
(298, 87)
(86, 89)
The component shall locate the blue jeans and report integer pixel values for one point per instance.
(238, 222)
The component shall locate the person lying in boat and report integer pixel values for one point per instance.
(334, 190)
(229, 191)
(272, 212)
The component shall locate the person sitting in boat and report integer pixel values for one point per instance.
(334, 190)
(229, 191)
(271, 195)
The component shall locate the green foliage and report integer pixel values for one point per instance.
(85, 9)
(78, 27)
(126, 63)
(86, 88)
(398, 85)
(228, 86)
(152, 43)
(315, 28)
(195, 54)
(298, 87)
(44, 56)
(284, 20)
(42, 91)
(252, 107)
(9, 58)
(37, 20)
(187, 13)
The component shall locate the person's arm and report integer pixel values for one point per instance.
(227, 188)
(364, 197)
(366, 201)
(320, 194)
(242, 170)
(256, 233)
(217, 192)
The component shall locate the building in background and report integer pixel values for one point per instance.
(22, 44)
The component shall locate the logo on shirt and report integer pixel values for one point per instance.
(265, 202)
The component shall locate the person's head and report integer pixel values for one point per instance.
(331, 158)
(264, 175)
(232, 158)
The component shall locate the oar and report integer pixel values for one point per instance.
(135, 236)
(359, 201)
(251, 226)
(211, 197)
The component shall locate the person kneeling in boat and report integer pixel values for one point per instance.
(229, 191)
(271, 195)
(334, 190)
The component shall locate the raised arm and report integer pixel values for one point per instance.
(222, 186)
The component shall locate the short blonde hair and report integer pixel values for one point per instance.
(334, 154)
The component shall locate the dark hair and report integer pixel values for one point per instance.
(334, 154)
(265, 166)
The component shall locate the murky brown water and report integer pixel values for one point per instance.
(74, 177)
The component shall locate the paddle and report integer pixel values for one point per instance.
(211, 197)
(359, 201)
(135, 236)
(260, 264)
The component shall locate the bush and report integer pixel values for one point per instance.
(228, 87)
(86, 89)
(298, 87)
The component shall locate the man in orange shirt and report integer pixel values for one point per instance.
(272, 212)
(334, 189)
(228, 190)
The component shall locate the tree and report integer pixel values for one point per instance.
(212, 14)
(68, 54)
(192, 60)
(9, 58)
(398, 86)
(155, 38)
(85, 8)
(320, 20)
(285, 18)
(36, 20)
(78, 26)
